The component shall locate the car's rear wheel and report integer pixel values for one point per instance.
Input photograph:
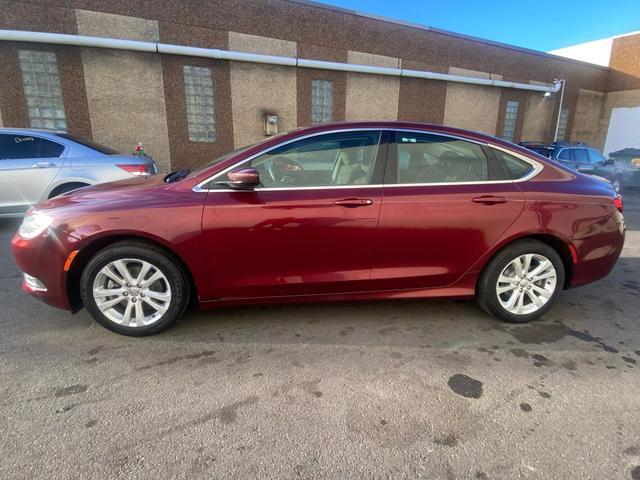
(134, 289)
(521, 282)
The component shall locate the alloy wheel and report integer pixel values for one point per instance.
(132, 292)
(526, 284)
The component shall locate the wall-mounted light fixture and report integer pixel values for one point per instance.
(270, 124)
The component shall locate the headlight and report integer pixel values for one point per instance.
(33, 225)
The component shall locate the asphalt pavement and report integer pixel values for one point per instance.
(402, 389)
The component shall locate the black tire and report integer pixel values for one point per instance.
(66, 188)
(175, 276)
(486, 292)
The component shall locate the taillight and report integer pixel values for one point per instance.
(139, 170)
(618, 203)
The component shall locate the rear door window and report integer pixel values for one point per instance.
(27, 146)
(580, 155)
(425, 158)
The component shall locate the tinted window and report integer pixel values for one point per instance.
(595, 156)
(427, 158)
(514, 167)
(26, 146)
(565, 154)
(89, 144)
(345, 158)
(580, 155)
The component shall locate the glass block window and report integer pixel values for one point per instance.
(562, 124)
(510, 119)
(198, 90)
(321, 101)
(41, 84)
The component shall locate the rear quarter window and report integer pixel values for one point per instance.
(513, 166)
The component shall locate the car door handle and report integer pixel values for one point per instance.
(43, 165)
(489, 199)
(353, 202)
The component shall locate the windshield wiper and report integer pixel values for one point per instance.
(177, 175)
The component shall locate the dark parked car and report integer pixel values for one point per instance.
(351, 211)
(580, 157)
(623, 168)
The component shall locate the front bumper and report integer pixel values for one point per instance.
(43, 258)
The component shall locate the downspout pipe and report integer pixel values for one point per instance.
(219, 54)
(555, 135)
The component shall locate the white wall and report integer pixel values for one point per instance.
(624, 129)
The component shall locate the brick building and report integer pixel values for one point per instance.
(190, 106)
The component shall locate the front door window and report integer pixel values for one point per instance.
(334, 159)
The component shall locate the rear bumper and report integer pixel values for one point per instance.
(598, 251)
(43, 258)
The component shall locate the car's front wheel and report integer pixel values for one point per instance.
(521, 282)
(134, 289)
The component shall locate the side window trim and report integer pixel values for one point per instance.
(385, 162)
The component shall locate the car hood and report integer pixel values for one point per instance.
(124, 207)
(106, 193)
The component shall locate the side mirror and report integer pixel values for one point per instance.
(245, 179)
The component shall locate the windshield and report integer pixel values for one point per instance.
(222, 158)
(89, 144)
(234, 152)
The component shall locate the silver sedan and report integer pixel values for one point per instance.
(38, 164)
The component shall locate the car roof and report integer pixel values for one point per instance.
(400, 124)
(572, 144)
(27, 131)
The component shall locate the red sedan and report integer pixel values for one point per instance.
(346, 211)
